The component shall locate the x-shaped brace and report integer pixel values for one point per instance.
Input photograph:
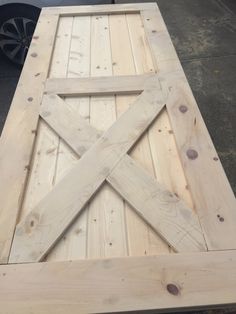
(104, 158)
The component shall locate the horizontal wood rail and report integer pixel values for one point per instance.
(108, 85)
(161, 283)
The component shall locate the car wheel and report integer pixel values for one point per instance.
(17, 25)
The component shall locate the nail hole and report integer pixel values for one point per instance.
(172, 289)
(192, 154)
(215, 158)
(30, 99)
(154, 31)
(34, 54)
(31, 223)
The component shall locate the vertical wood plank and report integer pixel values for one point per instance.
(167, 164)
(46, 154)
(40, 182)
(18, 136)
(134, 58)
(106, 233)
(212, 195)
(142, 151)
(44, 157)
(74, 242)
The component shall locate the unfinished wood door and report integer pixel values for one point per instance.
(105, 155)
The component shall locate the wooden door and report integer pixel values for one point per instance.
(112, 195)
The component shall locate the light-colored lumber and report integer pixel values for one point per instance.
(106, 225)
(68, 124)
(160, 208)
(166, 213)
(99, 9)
(18, 135)
(73, 244)
(164, 283)
(212, 195)
(148, 242)
(34, 236)
(117, 161)
(44, 157)
(127, 84)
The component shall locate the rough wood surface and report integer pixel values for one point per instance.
(212, 195)
(126, 84)
(160, 208)
(34, 235)
(161, 283)
(18, 135)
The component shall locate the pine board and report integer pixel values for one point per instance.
(105, 101)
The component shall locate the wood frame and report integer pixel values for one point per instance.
(163, 283)
(172, 219)
(216, 207)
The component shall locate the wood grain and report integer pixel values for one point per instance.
(16, 144)
(166, 213)
(212, 195)
(160, 208)
(164, 283)
(35, 235)
(107, 85)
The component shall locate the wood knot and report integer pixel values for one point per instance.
(183, 108)
(221, 219)
(172, 289)
(192, 154)
(31, 222)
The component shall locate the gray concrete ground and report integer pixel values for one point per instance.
(204, 35)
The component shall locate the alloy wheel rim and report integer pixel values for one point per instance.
(15, 37)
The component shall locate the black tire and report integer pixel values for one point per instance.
(17, 24)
